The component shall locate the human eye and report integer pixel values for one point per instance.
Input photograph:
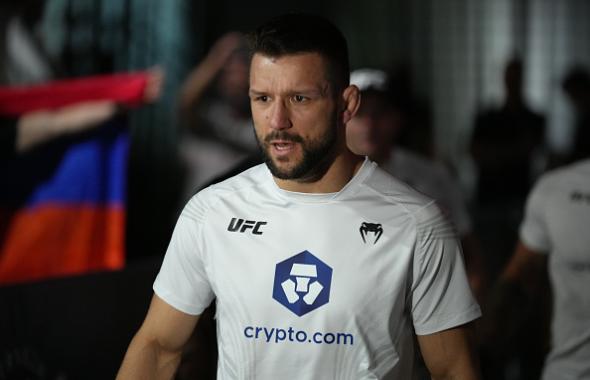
(259, 97)
(299, 98)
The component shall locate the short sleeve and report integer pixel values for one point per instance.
(182, 281)
(440, 295)
(533, 229)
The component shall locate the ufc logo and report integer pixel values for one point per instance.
(241, 225)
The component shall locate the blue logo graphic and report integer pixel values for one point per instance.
(302, 283)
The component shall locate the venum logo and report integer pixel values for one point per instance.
(241, 225)
(374, 229)
(302, 283)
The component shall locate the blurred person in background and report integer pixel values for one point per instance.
(504, 143)
(544, 281)
(215, 113)
(507, 148)
(504, 146)
(374, 132)
(554, 236)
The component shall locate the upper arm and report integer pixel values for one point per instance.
(450, 354)
(166, 326)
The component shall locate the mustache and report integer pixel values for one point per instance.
(282, 135)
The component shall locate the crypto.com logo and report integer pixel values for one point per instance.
(302, 283)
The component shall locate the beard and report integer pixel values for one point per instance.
(317, 155)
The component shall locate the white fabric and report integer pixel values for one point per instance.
(409, 278)
(557, 222)
(435, 181)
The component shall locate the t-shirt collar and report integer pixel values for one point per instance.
(364, 171)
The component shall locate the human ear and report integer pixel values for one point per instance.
(351, 97)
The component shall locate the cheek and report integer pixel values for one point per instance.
(256, 111)
(356, 128)
(321, 116)
(306, 121)
(259, 128)
(259, 117)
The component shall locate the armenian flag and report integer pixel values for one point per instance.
(62, 206)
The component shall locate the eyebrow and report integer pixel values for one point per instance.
(304, 91)
(256, 93)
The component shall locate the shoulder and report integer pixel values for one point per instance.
(421, 211)
(244, 183)
(564, 177)
(396, 193)
(577, 170)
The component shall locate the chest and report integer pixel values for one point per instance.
(295, 261)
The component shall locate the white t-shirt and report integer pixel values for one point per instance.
(434, 180)
(317, 286)
(557, 222)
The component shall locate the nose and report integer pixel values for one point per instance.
(279, 116)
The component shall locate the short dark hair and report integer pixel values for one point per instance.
(296, 33)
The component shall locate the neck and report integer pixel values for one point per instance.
(338, 174)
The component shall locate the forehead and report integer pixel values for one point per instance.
(293, 70)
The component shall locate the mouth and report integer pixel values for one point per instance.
(282, 149)
(282, 145)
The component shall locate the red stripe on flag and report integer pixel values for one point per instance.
(126, 89)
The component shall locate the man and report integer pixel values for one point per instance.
(322, 265)
(556, 227)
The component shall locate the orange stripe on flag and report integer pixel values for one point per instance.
(57, 240)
